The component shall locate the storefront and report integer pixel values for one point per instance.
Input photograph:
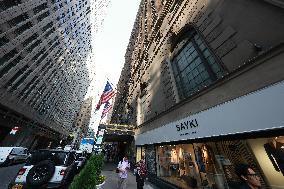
(211, 164)
(201, 151)
(140, 153)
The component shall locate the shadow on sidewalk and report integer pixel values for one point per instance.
(112, 178)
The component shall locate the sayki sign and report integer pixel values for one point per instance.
(14, 130)
(261, 110)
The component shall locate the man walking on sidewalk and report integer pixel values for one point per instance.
(122, 167)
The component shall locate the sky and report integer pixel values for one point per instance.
(109, 47)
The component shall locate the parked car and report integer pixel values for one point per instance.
(46, 169)
(81, 159)
(11, 155)
(68, 147)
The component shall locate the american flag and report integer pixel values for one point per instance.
(107, 107)
(107, 94)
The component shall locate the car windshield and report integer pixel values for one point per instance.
(58, 157)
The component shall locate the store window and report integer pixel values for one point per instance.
(140, 153)
(211, 164)
(177, 165)
(194, 66)
(269, 152)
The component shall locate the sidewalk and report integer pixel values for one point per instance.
(112, 179)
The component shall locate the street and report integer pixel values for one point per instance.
(7, 174)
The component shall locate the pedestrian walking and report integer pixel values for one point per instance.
(249, 179)
(141, 173)
(122, 169)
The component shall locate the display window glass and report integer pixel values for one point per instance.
(211, 164)
(177, 164)
(140, 152)
(269, 152)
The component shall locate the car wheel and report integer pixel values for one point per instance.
(41, 173)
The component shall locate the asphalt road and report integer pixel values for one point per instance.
(7, 174)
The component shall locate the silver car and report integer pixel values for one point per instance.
(11, 155)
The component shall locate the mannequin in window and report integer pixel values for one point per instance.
(174, 156)
(199, 159)
(275, 152)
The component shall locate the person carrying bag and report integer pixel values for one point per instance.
(141, 173)
(122, 170)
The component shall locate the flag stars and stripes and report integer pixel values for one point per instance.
(106, 109)
(107, 94)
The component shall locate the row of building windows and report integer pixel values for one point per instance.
(43, 16)
(30, 39)
(21, 18)
(6, 4)
(16, 76)
(36, 97)
(3, 41)
(12, 53)
(27, 74)
(23, 28)
(40, 8)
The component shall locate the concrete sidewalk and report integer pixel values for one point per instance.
(112, 179)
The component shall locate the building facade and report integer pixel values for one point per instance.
(44, 78)
(203, 83)
(82, 121)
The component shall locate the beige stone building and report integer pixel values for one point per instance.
(203, 83)
(81, 124)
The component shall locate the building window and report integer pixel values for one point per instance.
(23, 28)
(34, 45)
(38, 54)
(3, 41)
(47, 26)
(29, 88)
(16, 76)
(40, 8)
(6, 4)
(29, 40)
(9, 66)
(49, 33)
(8, 56)
(194, 66)
(18, 19)
(21, 80)
(42, 16)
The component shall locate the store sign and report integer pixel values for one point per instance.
(186, 125)
(257, 111)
